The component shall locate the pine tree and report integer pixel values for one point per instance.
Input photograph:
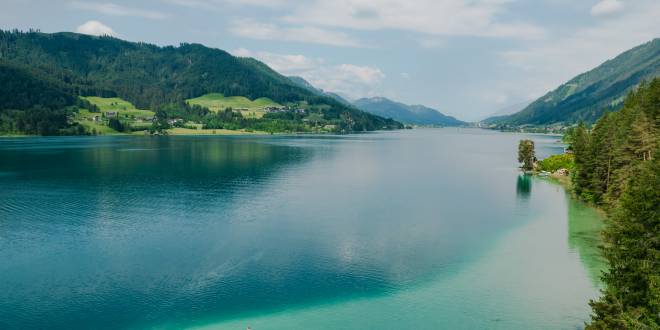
(601, 154)
(632, 297)
(581, 176)
(642, 141)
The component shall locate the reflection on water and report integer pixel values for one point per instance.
(584, 229)
(523, 186)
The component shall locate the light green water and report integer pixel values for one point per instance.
(527, 276)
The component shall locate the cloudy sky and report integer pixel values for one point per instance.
(467, 58)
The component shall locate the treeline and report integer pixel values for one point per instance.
(151, 77)
(288, 121)
(607, 156)
(33, 104)
(617, 167)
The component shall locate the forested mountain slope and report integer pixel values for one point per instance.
(150, 76)
(591, 94)
(617, 167)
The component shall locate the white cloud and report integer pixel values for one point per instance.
(329, 22)
(112, 9)
(365, 74)
(307, 34)
(430, 43)
(432, 17)
(347, 79)
(549, 64)
(607, 7)
(219, 4)
(285, 64)
(95, 28)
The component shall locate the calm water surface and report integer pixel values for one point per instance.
(426, 229)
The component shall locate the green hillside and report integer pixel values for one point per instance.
(162, 78)
(32, 104)
(589, 95)
(121, 110)
(217, 102)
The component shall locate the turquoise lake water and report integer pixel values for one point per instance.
(424, 229)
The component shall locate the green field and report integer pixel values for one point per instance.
(85, 118)
(126, 111)
(216, 102)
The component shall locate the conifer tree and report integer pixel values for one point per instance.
(632, 236)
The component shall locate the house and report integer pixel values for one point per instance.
(271, 109)
(173, 121)
(112, 114)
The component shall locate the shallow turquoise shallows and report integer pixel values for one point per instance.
(414, 229)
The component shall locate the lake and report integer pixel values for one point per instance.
(424, 228)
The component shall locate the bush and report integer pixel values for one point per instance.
(556, 162)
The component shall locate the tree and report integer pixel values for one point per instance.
(601, 151)
(632, 237)
(580, 149)
(617, 168)
(160, 124)
(526, 154)
(115, 124)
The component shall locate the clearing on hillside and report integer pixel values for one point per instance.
(123, 110)
(216, 102)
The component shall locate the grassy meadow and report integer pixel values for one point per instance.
(126, 112)
(216, 102)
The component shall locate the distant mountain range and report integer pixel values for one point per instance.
(380, 106)
(589, 95)
(407, 114)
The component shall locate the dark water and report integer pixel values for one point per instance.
(287, 232)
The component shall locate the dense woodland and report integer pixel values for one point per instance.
(36, 106)
(617, 168)
(68, 65)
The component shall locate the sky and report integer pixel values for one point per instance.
(466, 58)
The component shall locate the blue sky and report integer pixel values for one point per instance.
(466, 58)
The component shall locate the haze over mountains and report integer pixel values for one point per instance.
(301, 82)
(587, 96)
(407, 114)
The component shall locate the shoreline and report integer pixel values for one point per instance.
(203, 132)
(565, 182)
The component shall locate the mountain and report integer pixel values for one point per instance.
(150, 76)
(589, 95)
(301, 82)
(22, 89)
(408, 114)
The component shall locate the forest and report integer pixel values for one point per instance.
(617, 168)
(50, 71)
